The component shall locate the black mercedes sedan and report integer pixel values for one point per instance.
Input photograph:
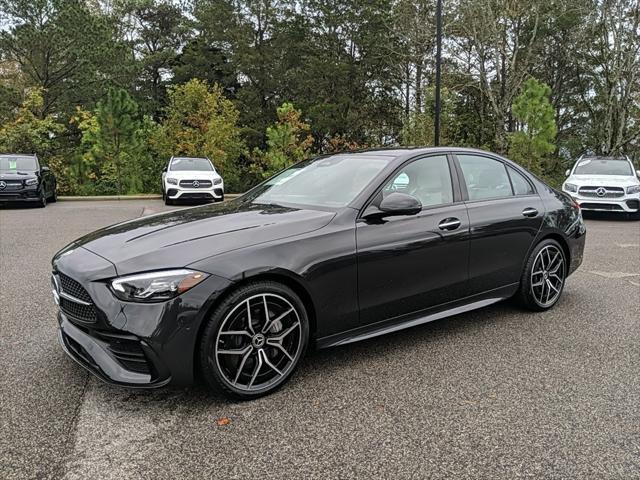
(23, 179)
(333, 250)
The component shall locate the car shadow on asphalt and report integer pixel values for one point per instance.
(320, 365)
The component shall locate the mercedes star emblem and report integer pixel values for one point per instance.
(601, 191)
(3, 185)
(196, 184)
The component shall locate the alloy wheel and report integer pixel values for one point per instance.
(258, 342)
(547, 275)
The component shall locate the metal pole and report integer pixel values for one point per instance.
(436, 135)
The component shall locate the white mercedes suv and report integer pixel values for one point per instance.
(605, 184)
(191, 178)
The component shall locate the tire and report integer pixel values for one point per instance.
(167, 200)
(43, 199)
(543, 277)
(221, 199)
(263, 359)
(54, 195)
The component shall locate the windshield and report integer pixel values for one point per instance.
(18, 163)
(183, 164)
(324, 182)
(596, 166)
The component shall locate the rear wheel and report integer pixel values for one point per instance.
(54, 195)
(254, 340)
(543, 277)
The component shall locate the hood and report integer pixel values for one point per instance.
(13, 175)
(179, 238)
(603, 180)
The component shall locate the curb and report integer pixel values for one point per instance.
(97, 198)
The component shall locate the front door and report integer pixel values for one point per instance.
(412, 262)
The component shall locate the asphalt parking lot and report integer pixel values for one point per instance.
(496, 393)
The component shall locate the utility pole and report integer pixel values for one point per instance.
(436, 135)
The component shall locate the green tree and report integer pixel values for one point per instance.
(537, 133)
(30, 131)
(288, 141)
(114, 141)
(66, 48)
(200, 121)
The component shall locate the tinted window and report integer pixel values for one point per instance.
(18, 163)
(428, 179)
(183, 164)
(521, 185)
(325, 182)
(485, 177)
(597, 166)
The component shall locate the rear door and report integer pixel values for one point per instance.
(412, 262)
(505, 215)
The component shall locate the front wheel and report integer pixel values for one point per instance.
(42, 202)
(543, 277)
(254, 340)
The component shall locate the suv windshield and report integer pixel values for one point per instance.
(18, 163)
(603, 166)
(183, 164)
(323, 182)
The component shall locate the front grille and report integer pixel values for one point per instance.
(77, 310)
(600, 206)
(126, 350)
(201, 183)
(13, 184)
(73, 288)
(609, 192)
(85, 313)
(194, 196)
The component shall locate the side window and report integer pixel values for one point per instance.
(428, 179)
(485, 177)
(521, 185)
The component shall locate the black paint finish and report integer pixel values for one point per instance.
(358, 276)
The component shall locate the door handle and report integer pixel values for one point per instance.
(449, 224)
(529, 212)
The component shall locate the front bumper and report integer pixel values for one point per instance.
(22, 195)
(180, 193)
(624, 204)
(125, 343)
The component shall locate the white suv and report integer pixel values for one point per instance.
(191, 178)
(605, 184)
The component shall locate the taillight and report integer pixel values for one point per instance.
(575, 204)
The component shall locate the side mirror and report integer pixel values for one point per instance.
(638, 173)
(45, 169)
(566, 174)
(396, 204)
(164, 170)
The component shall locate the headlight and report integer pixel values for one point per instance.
(570, 187)
(155, 286)
(172, 181)
(217, 181)
(31, 181)
(633, 189)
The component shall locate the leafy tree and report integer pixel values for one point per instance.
(200, 121)
(30, 131)
(288, 141)
(157, 29)
(535, 139)
(419, 129)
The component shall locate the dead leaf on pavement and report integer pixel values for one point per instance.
(222, 421)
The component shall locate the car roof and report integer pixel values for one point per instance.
(401, 151)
